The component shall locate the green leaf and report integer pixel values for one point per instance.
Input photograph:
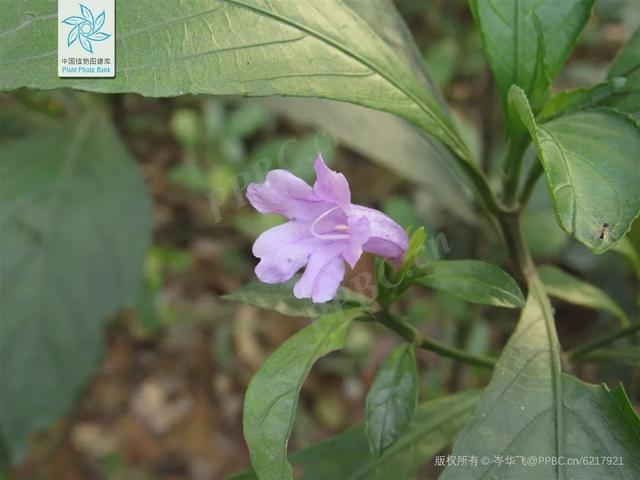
(527, 41)
(346, 456)
(531, 409)
(626, 65)
(392, 399)
(620, 398)
(383, 17)
(272, 396)
(621, 91)
(414, 249)
(628, 58)
(592, 167)
(581, 98)
(565, 286)
(474, 281)
(247, 47)
(75, 222)
(279, 298)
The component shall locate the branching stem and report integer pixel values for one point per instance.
(412, 334)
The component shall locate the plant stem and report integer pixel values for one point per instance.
(512, 167)
(412, 334)
(481, 186)
(507, 216)
(530, 182)
(599, 342)
(512, 233)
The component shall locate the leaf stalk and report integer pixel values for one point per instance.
(599, 342)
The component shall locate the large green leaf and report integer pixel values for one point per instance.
(531, 409)
(248, 47)
(272, 396)
(392, 399)
(565, 286)
(346, 456)
(279, 298)
(592, 164)
(474, 281)
(383, 17)
(528, 41)
(75, 221)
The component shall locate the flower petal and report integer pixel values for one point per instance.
(285, 194)
(331, 186)
(331, 225)
(359, 234)
(283, 263)
(388, 239)
(272, 240)
(323, 274)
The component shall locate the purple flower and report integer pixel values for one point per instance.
(324, 230)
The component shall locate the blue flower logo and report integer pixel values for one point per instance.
(86, 29)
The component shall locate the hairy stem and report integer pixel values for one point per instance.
(412, 334)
